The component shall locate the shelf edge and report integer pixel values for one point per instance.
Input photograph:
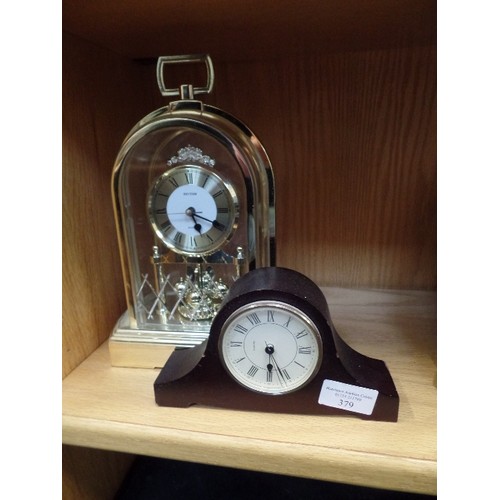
(314, 462)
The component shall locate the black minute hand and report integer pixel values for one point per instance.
(272, 363)
(278, 368)
(215, 223)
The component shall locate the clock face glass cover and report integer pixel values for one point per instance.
(187, 225)
(192, 210)
(270, 347)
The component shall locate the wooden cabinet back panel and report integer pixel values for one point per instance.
(352, 139)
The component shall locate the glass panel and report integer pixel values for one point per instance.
(179, 190)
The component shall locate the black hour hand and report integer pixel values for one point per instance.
(215, 223)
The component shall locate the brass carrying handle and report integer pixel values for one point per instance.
(202, 58)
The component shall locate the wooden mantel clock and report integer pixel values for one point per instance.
(273, 348)
(193, 194)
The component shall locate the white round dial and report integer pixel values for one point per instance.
(192, 210)
(270, 347)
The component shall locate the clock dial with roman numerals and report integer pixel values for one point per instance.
(192, 210)
(270, 347)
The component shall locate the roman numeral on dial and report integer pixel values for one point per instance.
(253, 318)
(301, 334)
(240, 329)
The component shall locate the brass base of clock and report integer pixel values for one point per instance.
(138, 355)
(137, 348)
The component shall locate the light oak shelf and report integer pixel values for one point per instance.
(112, 408)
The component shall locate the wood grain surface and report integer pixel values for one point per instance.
(92, 474)
(250, 31)
(96, 87)
(352, 139)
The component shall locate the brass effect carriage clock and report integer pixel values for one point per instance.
(193, 194)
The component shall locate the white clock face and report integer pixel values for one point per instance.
(270, 347)
(192, 210)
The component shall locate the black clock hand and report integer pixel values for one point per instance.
(269, 372)
(197, 225)
(269, 366)
(191, 212)
(272, 363)
(280, 373)
(215, 223)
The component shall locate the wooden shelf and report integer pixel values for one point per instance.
(231, 30)
(113, 408)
